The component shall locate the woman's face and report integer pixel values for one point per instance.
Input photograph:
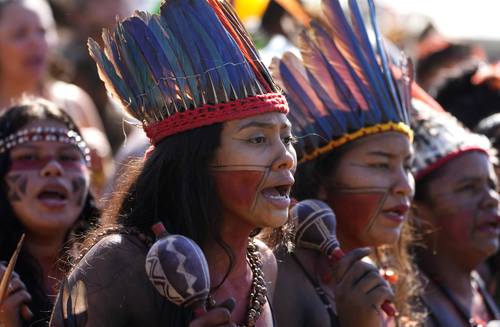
(47, 183)
(23, 44)
(370, 190)
(253, 170)
(462, 208)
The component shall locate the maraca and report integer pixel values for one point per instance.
(316, 229)
(178, 269)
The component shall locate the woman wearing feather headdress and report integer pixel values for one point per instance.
(350, 111)
(221, 167)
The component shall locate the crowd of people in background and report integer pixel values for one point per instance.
(414, 183)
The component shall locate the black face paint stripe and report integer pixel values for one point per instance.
(16, 184)
(78, 185)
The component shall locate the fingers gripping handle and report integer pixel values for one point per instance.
(316, 229)
(338, 254)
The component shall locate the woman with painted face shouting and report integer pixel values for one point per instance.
(44, 194)
(220, 168)
(456, 211)
(350, 112)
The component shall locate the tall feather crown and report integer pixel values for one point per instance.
(345, 86)
(192, 65)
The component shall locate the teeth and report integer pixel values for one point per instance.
(278, 196)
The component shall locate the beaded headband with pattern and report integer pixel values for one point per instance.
(344, 87)
(439, 137)
(50, 134)
(192, 65)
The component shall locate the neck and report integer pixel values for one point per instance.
(234, 234)
(46, 251)
(15, 88)
(447, 271)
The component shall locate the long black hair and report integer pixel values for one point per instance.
(11, 229)
(173, 186)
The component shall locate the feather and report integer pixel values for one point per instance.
(383, 58)
(294, 74)
(317, 70)
(348, 45)
(343, 80)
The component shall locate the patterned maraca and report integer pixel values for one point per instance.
(316, 229)
(178, 269)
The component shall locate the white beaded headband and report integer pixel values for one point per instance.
(50, 134)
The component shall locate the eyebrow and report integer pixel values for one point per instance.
(388, 155)
(265, 125)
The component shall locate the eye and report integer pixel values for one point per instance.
(469, 187)
(70, 157)
(409, 168)
(289, 140)
(380, 165)
(257, 140)
(26, 157)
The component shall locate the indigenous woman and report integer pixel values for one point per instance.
(27, 31)
(350, 113)
(44, 194)
(220, 169)
(456, 208)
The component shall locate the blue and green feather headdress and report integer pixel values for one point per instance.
(345, 86)
(189, 66)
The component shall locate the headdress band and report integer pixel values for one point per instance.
(210, 114)
(49, 134)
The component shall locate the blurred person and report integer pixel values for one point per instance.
(470, 92)
(44, 194)
(354, 150)
(456, 211)
(429, 41)
(27, 32)
(436, 65)
(84, 19)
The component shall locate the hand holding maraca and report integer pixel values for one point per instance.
(358, 284)
(178, 269)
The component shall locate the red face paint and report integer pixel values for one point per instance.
(356, 210)
(38, 164)
(238, 188)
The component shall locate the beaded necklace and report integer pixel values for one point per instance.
(258, 292)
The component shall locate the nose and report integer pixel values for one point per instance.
(286, 159)
(405, 183)
(491, 199)
(51, 168)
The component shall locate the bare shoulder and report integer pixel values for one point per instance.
(269, 265)
(77, 102)
(114, 280)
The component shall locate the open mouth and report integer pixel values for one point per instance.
(280, 191)
(279, 195)
(53, 196)
(490, 226)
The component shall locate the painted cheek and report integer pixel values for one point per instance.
(355, 211)
(79, 189)
(457, 225)
(17, 183)
(238, 188)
